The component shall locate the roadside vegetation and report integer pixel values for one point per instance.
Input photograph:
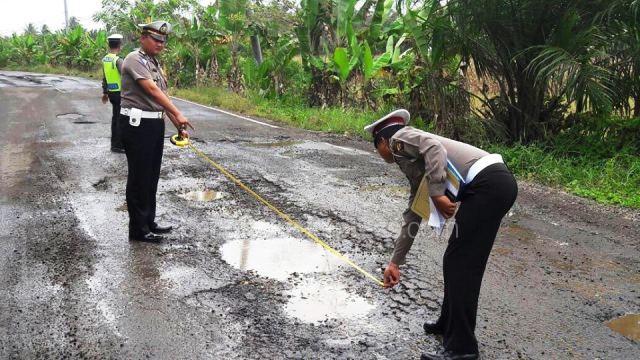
(552, 85)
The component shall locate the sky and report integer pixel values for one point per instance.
(16, 14)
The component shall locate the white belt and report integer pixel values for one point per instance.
(145, 114)
(481, 164)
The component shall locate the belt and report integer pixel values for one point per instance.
(145, 114)
(481, 164)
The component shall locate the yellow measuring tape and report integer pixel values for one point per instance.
(283, 215)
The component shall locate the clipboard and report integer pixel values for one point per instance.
(421, 204)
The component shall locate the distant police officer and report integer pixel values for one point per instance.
(144, 105)
(111, 86)
(490, 192)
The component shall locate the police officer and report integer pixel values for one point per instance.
(490, 192)
(144, 105)
(111, 86)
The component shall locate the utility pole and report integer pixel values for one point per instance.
(66, 16)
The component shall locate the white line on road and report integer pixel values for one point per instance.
(228, 113)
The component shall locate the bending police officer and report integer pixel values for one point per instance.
(144, 105)
(111, 87)
(490, 192)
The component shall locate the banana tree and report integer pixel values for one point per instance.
(233, 19)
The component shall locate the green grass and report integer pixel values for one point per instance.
(290, 111)
(614, 180)
(59, 70)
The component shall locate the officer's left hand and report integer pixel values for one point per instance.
(391, 275)
(105, 98)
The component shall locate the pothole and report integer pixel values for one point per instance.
(202, 195)
(102, 184)
(315, 301)
(69, 116)
(627, 325)
(278, 258)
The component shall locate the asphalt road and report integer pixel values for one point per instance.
(237, 282)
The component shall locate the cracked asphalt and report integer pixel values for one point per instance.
(235, 281)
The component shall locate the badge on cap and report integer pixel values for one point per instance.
(163, 28)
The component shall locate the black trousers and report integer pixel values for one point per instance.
(143, 145)
(116, 132)
(488, 198)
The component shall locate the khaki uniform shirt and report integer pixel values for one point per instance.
(419, 154)
(138, 65)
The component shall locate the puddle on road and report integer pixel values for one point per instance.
(70, 116)
(315, 301)
(627, 325)
(278, 258)
(202, 196)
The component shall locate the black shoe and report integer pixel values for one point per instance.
(434, 328)
(148, 237)
(162, 229)
(117, 150)
(448, 355)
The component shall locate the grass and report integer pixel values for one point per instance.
(59, 70)
(614, 180)
(597, 167)
(290, 111)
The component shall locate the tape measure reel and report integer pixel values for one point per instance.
(179, 141)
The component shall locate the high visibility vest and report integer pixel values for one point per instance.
(111, 73)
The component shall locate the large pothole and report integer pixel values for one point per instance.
(278, 258)
(314, 301)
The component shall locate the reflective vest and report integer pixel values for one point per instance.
(111, 73)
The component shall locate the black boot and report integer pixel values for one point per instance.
(148, 237)
(434, 328)
(161, 229)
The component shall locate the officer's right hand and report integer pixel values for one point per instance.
(182, 122)
(444, 205)
(105, 98)
(391, 275)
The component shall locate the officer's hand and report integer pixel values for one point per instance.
(391, 275)
(444, 205)
(182, 122)
(105, 98)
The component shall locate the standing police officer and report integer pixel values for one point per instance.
(144, 104)
(489, 193)
(111, 85)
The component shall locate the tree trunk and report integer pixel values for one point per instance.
(214, 69)
(257, 50)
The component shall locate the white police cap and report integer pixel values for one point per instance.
(397, 117)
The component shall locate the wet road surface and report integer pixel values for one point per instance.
(235, 281)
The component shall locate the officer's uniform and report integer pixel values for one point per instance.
(142, 122)
(484, 202)
(111, 86)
